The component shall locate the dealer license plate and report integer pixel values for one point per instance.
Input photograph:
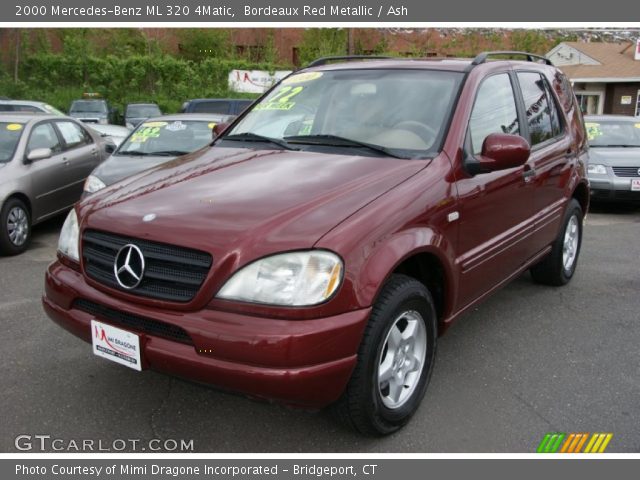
(116, 344)
(635, 184)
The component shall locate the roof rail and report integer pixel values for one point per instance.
(325, 60)
(531, 57)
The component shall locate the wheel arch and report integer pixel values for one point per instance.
(421, 254)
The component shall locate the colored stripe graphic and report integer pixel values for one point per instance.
(598, 443)
(551, 442)
(573, 443)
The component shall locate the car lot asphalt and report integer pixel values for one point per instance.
(528, 361)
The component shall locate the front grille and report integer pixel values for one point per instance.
(133, 322)
(171, 273)
(626, 171)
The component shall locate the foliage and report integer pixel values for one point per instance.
(322, 42)
(198, 44)
(167, 80)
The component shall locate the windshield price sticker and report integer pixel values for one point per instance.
(281, 100)
(145, 133)
(176, 126)
(593, 130)
(14, 127)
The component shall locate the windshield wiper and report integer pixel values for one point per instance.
(338, 141)
(168, 153)
(254, 137)
(132, 152)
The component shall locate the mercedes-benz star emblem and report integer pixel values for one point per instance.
(129, 266)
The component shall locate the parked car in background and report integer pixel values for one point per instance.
(155, 141)
(317, 250)
(93, 110)
(614, 158)
(44, 161)
(136, 113)
(28, 106)
(111, 133)
(225, 106)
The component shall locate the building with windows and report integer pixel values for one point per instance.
(605, 76)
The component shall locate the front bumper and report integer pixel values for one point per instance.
(610, 187)
(298, 362)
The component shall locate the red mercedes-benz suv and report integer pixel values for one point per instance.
(315, 251)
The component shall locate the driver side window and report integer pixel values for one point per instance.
(494, 111)
(44, 136)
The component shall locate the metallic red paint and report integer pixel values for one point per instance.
(376, 213)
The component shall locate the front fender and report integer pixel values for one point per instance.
(399, 248)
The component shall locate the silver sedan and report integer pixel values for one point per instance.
(44, 161)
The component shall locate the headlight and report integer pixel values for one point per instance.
(597, 169)
(92, 184)
(69, 236)
(292, 279)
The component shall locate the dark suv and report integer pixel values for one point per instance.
(316, 250)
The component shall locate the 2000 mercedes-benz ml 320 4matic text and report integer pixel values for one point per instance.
(316, 250)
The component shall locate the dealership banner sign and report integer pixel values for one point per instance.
(254, 81)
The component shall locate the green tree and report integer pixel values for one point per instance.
(322, 42)
(196, 44)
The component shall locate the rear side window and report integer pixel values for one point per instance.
(542, 115)
(44, 136)
(494, 111)
(74, 135)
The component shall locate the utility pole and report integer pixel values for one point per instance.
(350, 41)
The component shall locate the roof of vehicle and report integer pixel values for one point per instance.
(447, 64)
(23, 102)
(109, 128)
(26, 117)
(618, 118)
(220, 100)
(89, 100)
(204, 117)
(143, 104)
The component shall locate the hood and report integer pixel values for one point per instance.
(117, 167)
(241, 204)
(615, 156)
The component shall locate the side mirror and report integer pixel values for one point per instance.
(39, 154)
(500, 151)
(109, 147)
(218, 129)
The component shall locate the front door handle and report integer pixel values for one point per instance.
(528, 174)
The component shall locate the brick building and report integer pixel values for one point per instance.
(605, 76)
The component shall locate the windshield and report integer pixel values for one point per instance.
(168, 138)
(613, 133)
(88, 106)
(10, 134)
(146, 111)
(403, 112)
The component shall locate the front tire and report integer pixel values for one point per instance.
(558, 267)
(395, 360)
(15, 231)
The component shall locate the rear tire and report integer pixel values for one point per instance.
(558, 267)
(15, 227)
(395, 360)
